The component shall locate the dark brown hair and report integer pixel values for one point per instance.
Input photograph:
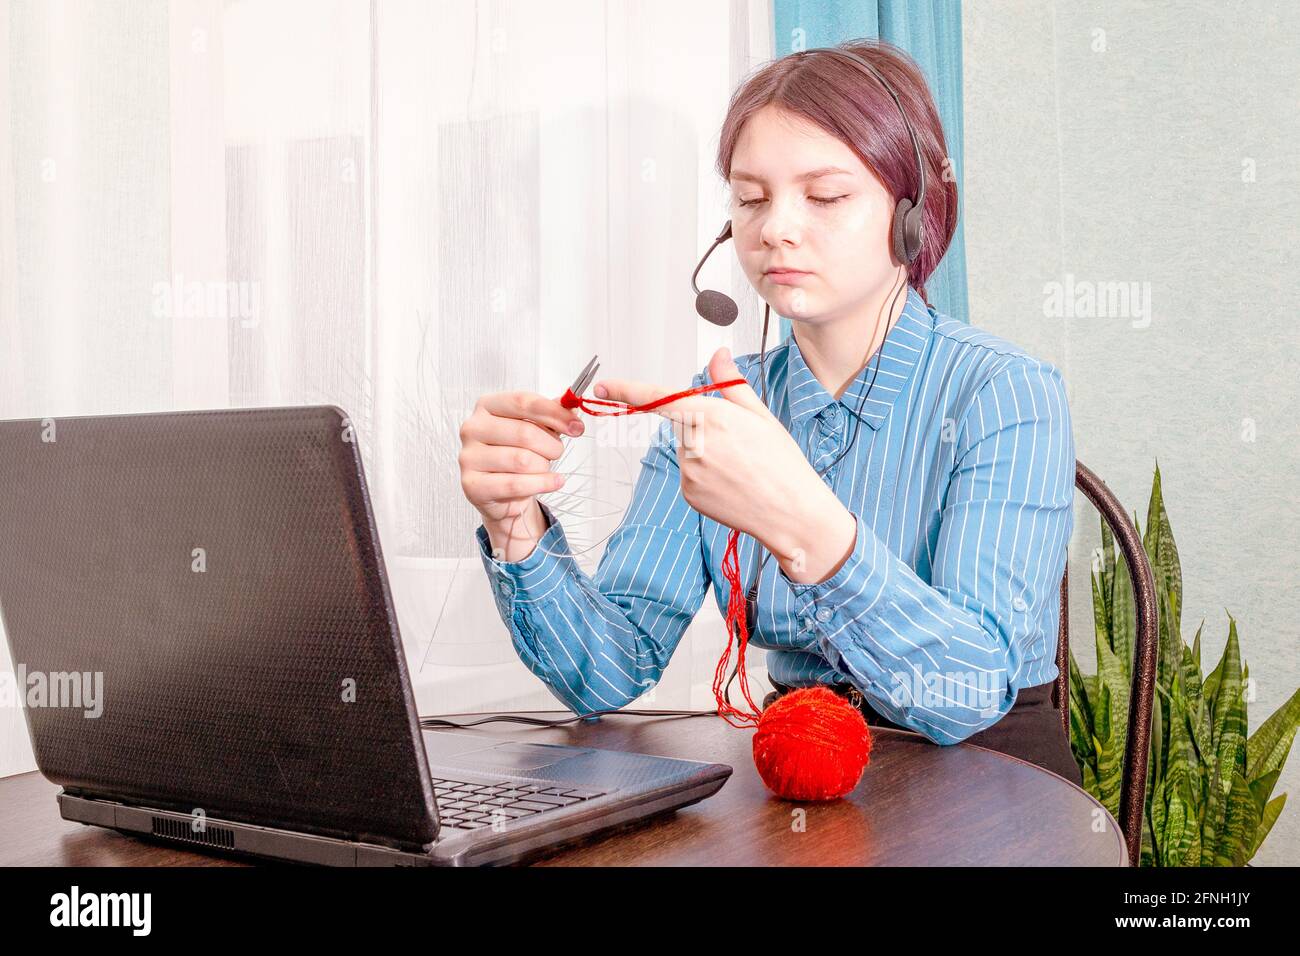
(841, 98)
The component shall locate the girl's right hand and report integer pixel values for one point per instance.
(507, 446)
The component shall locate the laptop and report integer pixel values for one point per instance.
(203, 635)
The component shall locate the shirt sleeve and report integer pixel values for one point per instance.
(947, 657)
(599, 642)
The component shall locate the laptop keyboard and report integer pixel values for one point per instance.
(468, 806)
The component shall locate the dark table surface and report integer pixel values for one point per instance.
(917, 804)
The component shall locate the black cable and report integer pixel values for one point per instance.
(432, 723)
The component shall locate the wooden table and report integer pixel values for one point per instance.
(918, 804)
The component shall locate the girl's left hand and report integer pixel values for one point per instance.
(739, 465)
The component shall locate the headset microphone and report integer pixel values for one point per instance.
(714, 306)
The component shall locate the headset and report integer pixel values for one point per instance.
(908, 236)
(908, 229)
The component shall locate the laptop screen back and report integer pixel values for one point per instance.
(218, 576)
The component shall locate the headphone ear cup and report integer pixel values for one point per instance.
(914, 232)
(900, 238)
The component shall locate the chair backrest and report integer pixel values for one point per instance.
(1146, 648)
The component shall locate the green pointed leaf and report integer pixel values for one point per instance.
(1080, 716)
(1212, 819)
(1188, 788)
(1228, 721)
(1269, 745)
(1240, 823)
(1228, 750)
(1107, 571)
(1148, 850)
(1110, 726)
(1081, 734)
(1262, 787)
(1183, 844)
(1177, 835)
(1182, 776)
(1162, 552)
(1192, 854)
(1156, 801)
(1156, 760)
(1209, 787)
(1266, 821)
(1101, 608)
(1210, 686)
(1090, 780)
(1123, 618)
(1170, 654)
(1198, 709)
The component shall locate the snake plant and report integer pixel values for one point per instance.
(1208, 785)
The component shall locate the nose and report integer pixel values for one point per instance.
(782, 225)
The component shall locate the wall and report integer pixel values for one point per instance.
(1156, 144)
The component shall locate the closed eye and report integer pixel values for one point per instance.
(820, 200)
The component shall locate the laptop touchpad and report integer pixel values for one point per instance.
(516, 757)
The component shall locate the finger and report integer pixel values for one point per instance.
(573, 430)
(529, 406)
(722, 368)
(687, 431)
(492, 486)
(505, 459)
(643, 393)
(519, 434)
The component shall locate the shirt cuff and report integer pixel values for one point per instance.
(533, 577)
(847, 594)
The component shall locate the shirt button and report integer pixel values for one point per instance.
(504, 587)
(833, 413)
(825, 614)
(1019, 603)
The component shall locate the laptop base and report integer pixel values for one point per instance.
(473, 848)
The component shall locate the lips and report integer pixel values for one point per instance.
(786, 276)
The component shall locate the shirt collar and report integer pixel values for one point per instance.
(899, 355)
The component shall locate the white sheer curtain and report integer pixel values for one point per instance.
(393, 206)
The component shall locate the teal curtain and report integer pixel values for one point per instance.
(930, 31)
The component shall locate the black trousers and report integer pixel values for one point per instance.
(1030, 730)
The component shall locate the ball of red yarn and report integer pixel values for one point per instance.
(811, 744)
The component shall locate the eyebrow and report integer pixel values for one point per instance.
(801, 178)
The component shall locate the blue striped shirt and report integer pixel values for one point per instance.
(961, 484)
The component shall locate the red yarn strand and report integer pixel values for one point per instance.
(576, 401)
(738, 630)
(737, 625)
(811, 744)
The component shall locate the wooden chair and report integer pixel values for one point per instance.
(1146, 647)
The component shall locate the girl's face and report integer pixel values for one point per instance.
(789, 212)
